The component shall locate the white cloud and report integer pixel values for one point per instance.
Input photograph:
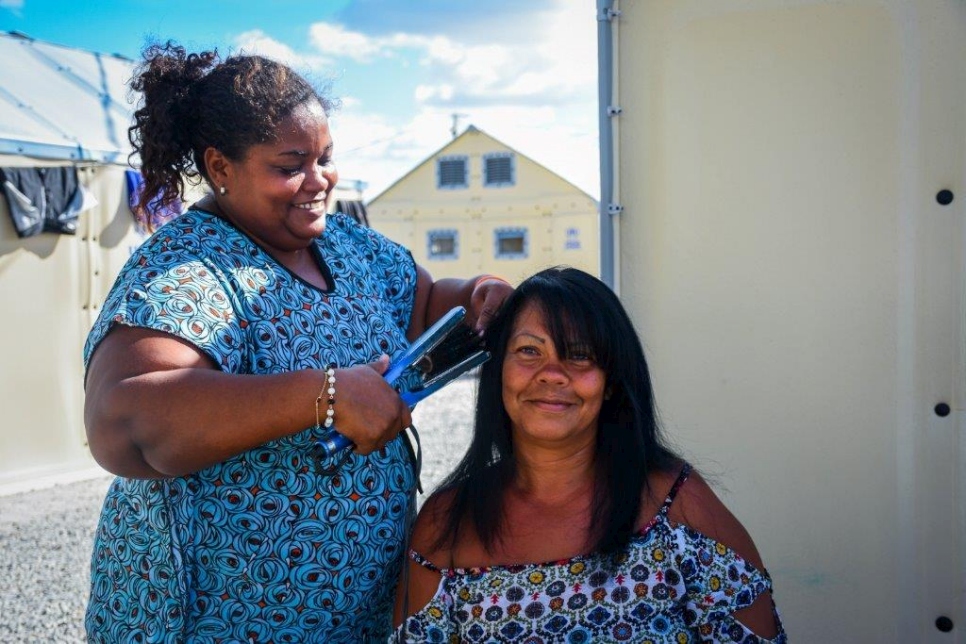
(562, 143)
(557, 64)
(559, 61)
(337, 41)
(538, 97)
(350, 102)
(257, 42)
(371, 149)
(14, 6)
(432, 93)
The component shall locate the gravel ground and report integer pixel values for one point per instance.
(46, 535)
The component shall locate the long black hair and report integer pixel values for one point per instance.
(579, 310)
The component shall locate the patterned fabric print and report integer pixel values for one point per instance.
(261, 547)
(671, 585)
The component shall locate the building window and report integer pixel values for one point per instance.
(452, 173)
(442, 244)
(511, 243)
(499, 170)
(573, 239)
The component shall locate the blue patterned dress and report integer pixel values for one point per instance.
(261, 547)
(672, 585)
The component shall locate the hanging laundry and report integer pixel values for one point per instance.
(156, 216)
(44, 200)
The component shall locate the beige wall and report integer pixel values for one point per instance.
(800, 290)
(542, 202)
(51, 287)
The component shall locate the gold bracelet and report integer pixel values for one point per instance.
(327, 390)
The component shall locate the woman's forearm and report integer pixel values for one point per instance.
(171, 422)
(178, 421)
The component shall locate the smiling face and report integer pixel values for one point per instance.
(550, 398)
(280, 191)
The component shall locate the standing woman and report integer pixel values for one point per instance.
(569, 519)
(227, 340)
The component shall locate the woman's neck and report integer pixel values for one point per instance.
(553, 476)
(301, 262)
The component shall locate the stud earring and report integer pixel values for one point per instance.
(222, 191)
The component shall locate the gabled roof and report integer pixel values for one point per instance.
(471, 129)
(61, 103)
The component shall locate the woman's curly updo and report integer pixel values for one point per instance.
(191, 102)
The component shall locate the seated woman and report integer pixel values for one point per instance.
(569, 519)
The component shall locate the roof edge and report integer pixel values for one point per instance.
(472, 129)
(54, 152)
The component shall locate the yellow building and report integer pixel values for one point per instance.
(479, 206)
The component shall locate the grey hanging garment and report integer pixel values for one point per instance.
(43, 199)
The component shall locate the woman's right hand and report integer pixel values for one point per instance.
(156, 406)
(368, 411)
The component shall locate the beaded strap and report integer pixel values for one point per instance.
(327, 391)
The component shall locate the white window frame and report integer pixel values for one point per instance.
(513, 170)
(500, 234)
(432, 235)
(572, 240)
(466, 172)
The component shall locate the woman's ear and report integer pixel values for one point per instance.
(218, 167)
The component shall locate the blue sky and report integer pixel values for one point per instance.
(524, 71)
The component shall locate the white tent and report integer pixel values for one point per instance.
(58, 107)
(62, 104)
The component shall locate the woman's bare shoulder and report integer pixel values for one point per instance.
(431, 524)
(698, 507)
(659, 484)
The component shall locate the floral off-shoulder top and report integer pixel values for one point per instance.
(671, 584)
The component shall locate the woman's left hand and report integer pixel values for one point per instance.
(489, 292)
(481, 296)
